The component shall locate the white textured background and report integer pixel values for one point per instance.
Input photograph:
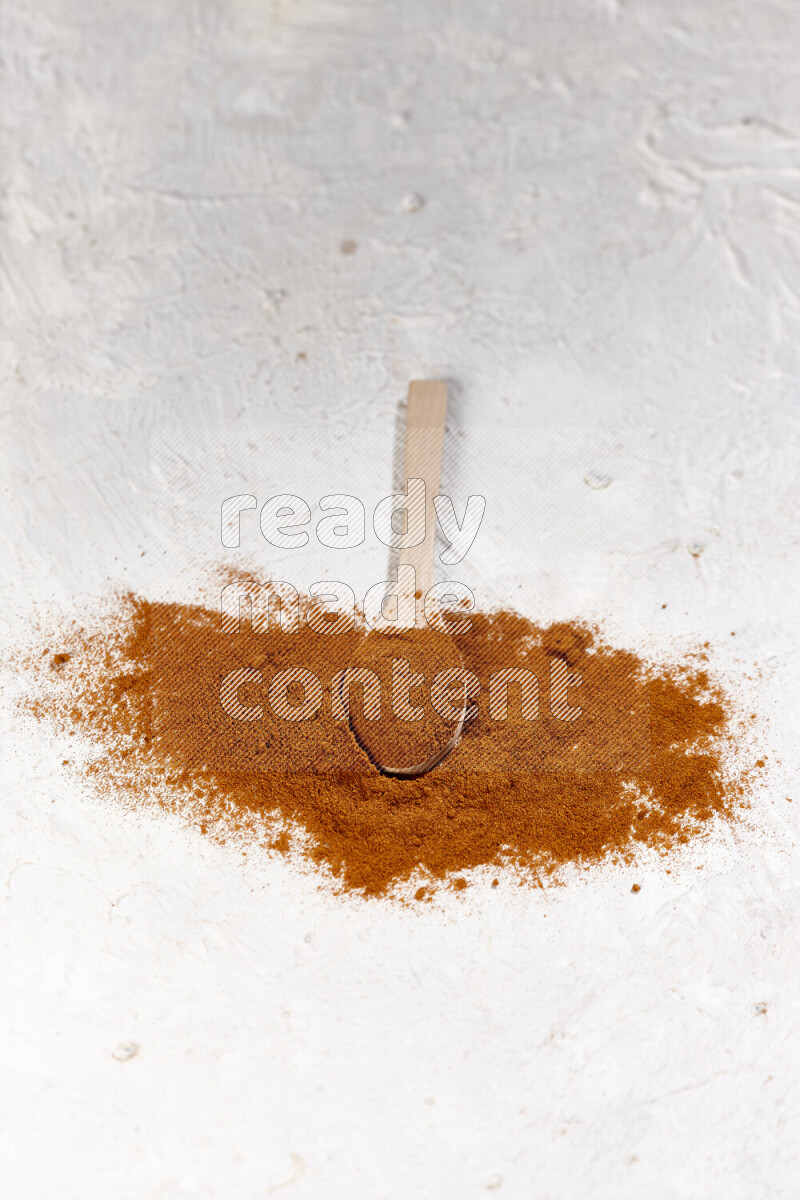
(235, 215)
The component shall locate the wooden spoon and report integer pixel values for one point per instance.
(425, 742)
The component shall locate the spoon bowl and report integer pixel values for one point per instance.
(416, 671)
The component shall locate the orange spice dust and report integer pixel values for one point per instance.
(637, 757)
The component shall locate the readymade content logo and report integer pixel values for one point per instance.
(388, 607)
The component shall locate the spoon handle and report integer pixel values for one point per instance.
(425, 417)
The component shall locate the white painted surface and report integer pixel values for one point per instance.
(580, 214)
